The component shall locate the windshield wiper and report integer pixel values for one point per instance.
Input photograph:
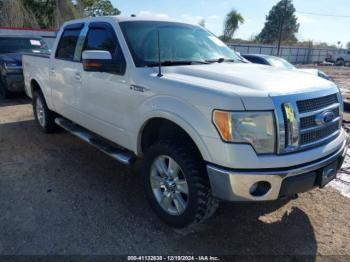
(175, 63)
(220, 60)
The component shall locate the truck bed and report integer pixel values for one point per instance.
(36, 67)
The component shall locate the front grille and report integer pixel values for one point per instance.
(310, 121)
(318, 134)
(303, 122)
(316, 103)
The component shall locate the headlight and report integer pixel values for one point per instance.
(254, 128)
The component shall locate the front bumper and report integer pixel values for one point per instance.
(236, 185)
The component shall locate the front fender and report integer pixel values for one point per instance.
(193, 121)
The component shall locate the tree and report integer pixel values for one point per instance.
(348, 45)
(15, 14)
(202, 22)
(281, 22)
(232, 22)
(99, 8)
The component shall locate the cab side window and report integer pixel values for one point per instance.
(101, 39)
(68, 43)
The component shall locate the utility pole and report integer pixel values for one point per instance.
(280, 33)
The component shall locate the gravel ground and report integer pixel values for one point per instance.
(59, 195)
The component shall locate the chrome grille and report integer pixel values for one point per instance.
(316, 135)
(310, 121)
(307, 120)
(316, 103)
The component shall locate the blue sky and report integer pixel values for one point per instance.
(317, 28)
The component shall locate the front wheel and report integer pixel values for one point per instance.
(177, 185)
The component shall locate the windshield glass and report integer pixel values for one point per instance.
(22, 45)
(279, 63)
(178, 43)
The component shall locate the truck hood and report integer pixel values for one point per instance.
(248, 79)
(309, 70)
(12, 58)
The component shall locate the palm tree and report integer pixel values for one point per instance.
(232, 22)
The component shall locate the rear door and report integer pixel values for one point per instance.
(65, 72)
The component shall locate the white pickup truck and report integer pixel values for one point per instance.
(339, 57)
(207, 125)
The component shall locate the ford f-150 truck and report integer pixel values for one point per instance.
(207, 125)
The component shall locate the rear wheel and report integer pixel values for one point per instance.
(44, 117)
(177, 185)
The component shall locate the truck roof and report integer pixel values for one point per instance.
(123, 19)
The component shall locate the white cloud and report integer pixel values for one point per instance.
(213, 17)
(146, 13)
(191, 19)
(304, 19)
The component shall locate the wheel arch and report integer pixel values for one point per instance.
(159, 125)
(34, 85)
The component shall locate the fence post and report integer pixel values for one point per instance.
(309, 53)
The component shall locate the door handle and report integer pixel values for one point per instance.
(52, 71)
(78, 76)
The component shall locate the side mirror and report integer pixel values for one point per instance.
(99, 61)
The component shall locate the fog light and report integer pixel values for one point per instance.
(260, 188)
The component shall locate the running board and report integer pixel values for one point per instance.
(115, 152)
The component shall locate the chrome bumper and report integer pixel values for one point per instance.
(236, 185)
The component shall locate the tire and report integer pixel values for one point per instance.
(197, 205)
(4, 93)
(44, 117)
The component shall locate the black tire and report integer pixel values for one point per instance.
(201, 204)
(48, 125)
(4, 93)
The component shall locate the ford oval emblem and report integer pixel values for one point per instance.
(325, 118)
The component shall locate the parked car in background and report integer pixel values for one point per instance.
(207, 126)
(279, 62)
(339, 57)
(11, 50)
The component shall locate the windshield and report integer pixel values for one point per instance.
(279, 63)
(22, 45)
(178, 43)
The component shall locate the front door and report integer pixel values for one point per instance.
(103, 96)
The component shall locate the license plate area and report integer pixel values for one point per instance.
(327, 174)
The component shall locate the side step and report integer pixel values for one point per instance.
(115, 152)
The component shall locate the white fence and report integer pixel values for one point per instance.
(295, 55)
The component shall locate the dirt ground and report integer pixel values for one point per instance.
(59, 195)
